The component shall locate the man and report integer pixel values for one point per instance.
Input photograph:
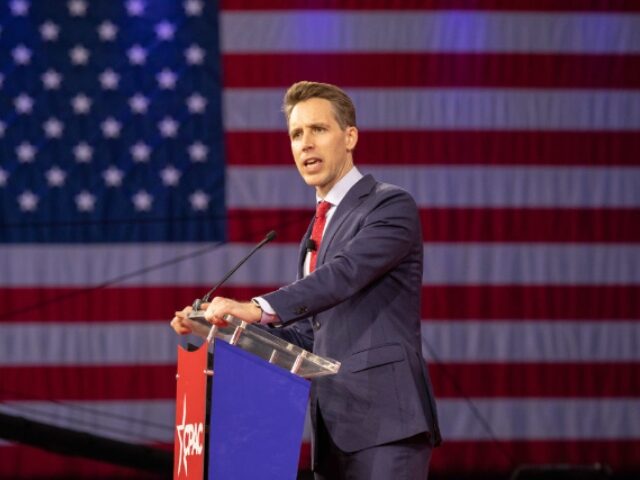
(357, 300)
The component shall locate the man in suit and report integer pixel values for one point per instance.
(356, 300)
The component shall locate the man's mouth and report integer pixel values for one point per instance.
(311, 161)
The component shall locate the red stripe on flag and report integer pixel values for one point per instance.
(495, 380)
(447, 147)
(501, 5)
(433, 70)
(450, 380)
(447, 302)
(125, 382)
(504, 456)
(466, 225)
(22, 461)
(531, 302)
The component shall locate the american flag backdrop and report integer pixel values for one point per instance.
(143, 152)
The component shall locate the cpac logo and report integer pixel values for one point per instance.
(190, 436)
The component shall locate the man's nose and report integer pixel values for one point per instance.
(307, 141)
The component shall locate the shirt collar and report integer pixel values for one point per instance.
(340, 189)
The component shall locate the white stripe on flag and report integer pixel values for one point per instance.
(133, 421)
(531, 264)
(445, 264)
(453, 186)
(95, 343)
(316, 31)
(510, 419)
(154, 343)
(453, 109)
(528, 341)
(552, 419)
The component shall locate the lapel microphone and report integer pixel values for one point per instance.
(199, 301)
(311, 245)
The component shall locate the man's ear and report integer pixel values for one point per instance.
(352, 138)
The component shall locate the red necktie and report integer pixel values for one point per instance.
(316, 233)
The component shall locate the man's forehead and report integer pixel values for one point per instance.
(312, 111)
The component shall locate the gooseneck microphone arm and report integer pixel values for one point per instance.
(268, 237)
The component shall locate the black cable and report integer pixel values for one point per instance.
(472, 406)
(127, 276)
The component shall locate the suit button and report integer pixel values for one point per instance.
(315, 324)
(300, 310)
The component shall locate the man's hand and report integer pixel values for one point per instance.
(220, 306)
(177, 323)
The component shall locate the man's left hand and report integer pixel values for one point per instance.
(220, 306)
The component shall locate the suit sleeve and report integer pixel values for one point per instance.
(386, 235)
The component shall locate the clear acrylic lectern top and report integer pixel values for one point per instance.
(258, 341)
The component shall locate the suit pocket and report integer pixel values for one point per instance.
(375, 357)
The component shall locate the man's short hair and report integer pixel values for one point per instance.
(343, 108)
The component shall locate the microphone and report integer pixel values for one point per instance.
(311, 245)
(199, 301)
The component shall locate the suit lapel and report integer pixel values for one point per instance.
(352, 199)
(303, 248)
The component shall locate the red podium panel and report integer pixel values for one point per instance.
(189, 436)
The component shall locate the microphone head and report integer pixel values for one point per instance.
(311, 245)
(270, 236)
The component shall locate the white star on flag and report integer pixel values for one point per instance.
(28, 201)
(21, 55)
(193, 8)
(142, 201)
(168, 127)
(85, 201)
(107, 31)
(112, 176)
(194, 55)
(4, 176)
(140, 152)
(139, 103)
(199, 200)
(77, 8)
(55, 176)
(196, 103)
(53, 128)
(81, 104)
(109, 79)
(165, 30)
(26, 152)
(198, 152)
(49, 31)
(111, 128)
(79, 55)
(51, 79)
(170, 176)
(19, 8)
(83, 152)
(23, 103)
(166, 79)
(135, 8)
(137, 55)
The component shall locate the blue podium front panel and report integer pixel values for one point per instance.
(257, 417)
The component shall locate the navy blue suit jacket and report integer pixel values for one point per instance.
(361, 306)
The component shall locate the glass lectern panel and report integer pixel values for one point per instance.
(274, 350)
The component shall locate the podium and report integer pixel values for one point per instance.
(258, 385)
